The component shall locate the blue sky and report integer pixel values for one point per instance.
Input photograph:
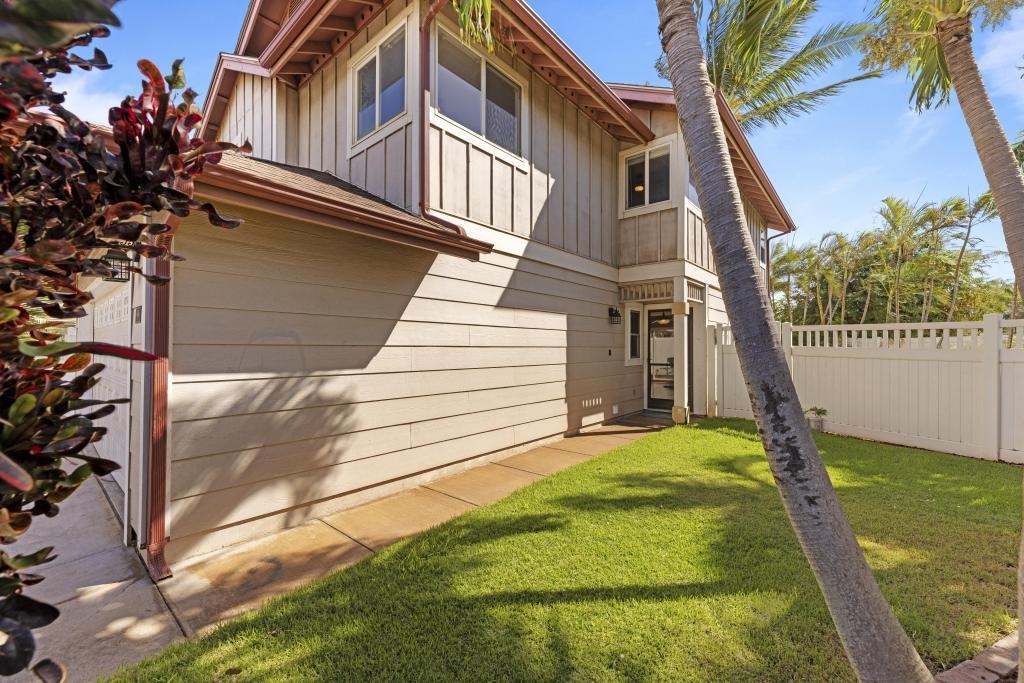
(832, 167)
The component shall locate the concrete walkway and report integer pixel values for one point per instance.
(206, 591)
(112, 614)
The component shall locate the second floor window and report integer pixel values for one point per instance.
(380, 86)
(648, 178)
(474, 94)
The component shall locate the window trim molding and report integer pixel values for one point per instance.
(450, 125)
(359, 59)
(670, 141)
(629, 308)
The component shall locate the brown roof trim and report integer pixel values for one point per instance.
(232, 185)
(751, 176)
(279, 43)
(222, 83)
(735, 134)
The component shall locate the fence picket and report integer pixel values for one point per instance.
(940, 386)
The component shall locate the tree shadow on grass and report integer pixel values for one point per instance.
(660, 570)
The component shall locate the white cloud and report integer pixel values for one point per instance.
(1000, 59)
(917, 129)
(88, 96)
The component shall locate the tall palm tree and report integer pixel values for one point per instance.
(902, 223)
(977, 212)
(874, 640)
(931, 39)
(763, 68)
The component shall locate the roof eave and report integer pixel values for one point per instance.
(231, 185)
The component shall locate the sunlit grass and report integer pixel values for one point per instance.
(667, 559)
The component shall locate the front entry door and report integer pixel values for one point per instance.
(660, 360)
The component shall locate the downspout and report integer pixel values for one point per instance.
(158, 343)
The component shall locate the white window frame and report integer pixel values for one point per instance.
(371, 50)
(454, 127)
(672, 143)
(628, 308)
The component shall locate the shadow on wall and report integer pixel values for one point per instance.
(599, 386)
(309, 364)
(274, 326)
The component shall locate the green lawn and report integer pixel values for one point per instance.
(666, 559)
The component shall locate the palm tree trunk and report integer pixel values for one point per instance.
(789, 298)
(896, 288)
(867, 304)
(956, 274)
(1005, 179)
(875, 642)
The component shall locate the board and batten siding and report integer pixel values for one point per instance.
(560, 192)
(649, 237)
(263, 111)
(309, 364)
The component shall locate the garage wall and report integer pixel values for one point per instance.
(309, 364)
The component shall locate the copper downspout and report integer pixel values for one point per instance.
(158, 343)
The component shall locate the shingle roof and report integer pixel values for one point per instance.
(244, 179)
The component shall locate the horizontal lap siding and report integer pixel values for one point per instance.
(309, 363)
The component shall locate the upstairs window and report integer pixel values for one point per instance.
(648, 177)
(380, 86)
(476, 95)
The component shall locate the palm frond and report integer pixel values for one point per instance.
(474, 19)
(777, 111)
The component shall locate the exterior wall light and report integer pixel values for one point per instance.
(119, 264)
(614, 316)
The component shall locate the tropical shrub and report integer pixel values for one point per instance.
(69, 194)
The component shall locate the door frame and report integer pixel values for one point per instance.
(645, 355)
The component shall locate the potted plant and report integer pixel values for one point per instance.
(816, 418)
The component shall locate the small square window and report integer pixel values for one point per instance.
(649, 178)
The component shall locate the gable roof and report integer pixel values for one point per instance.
(321, 198)
(292, 39)
(750, 174)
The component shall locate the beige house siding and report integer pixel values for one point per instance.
(649, 237)
(309, 363)
(556, 193)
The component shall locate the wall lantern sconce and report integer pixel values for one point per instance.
(614, 316)
(119, 264)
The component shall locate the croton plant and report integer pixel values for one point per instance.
(69, 194)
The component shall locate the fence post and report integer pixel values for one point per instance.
(711, 366)
(787, 344)
(719, 371)
(990, 410)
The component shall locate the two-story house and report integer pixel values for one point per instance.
(448, 255)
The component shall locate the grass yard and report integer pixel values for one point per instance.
(666, 559)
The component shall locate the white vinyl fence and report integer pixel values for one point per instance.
(951, 387)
